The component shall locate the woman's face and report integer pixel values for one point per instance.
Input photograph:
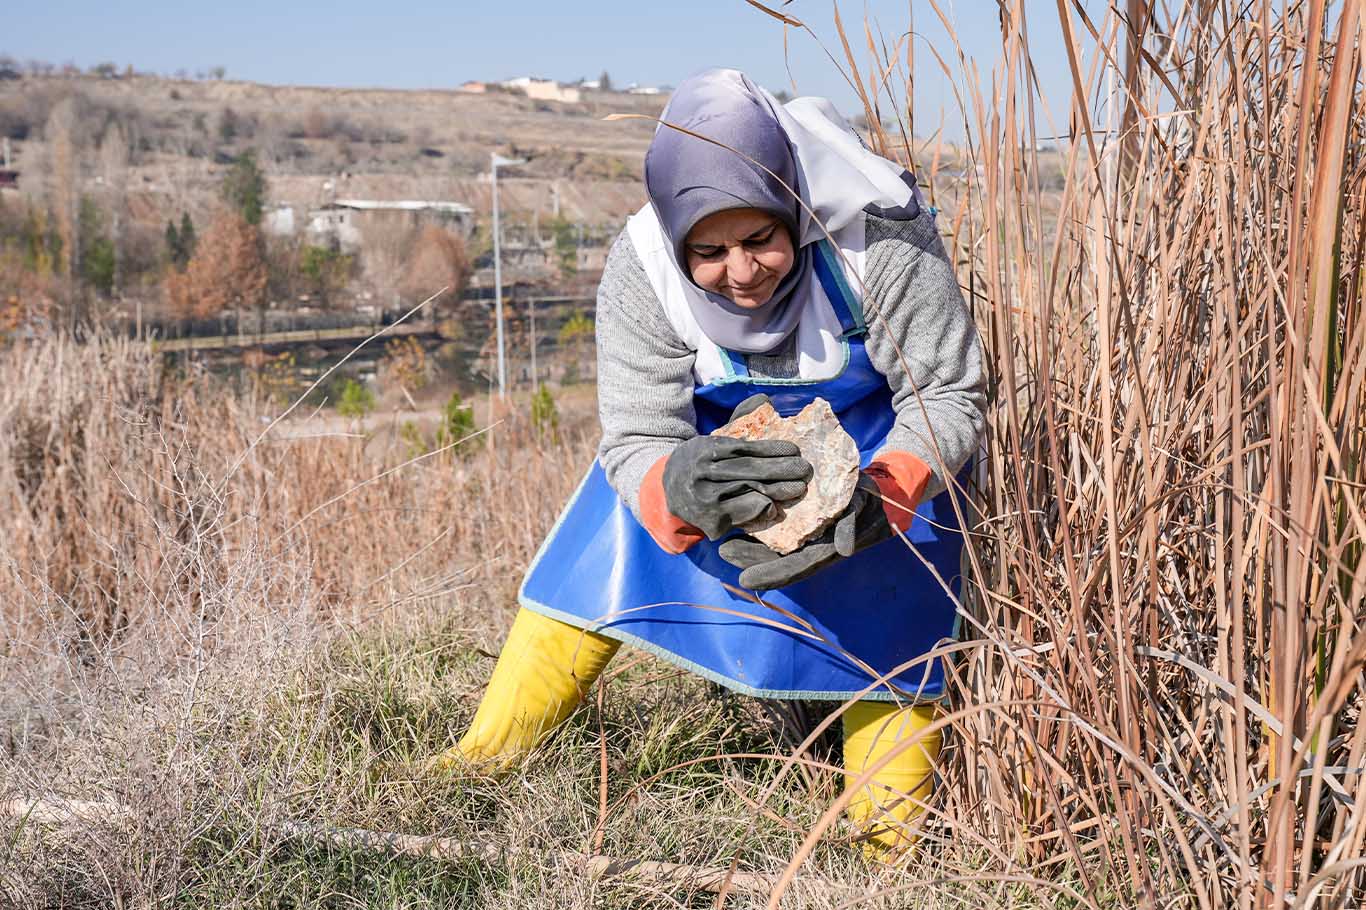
(741, 254)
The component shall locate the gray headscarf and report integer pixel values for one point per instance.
(808, 145)
(689, 178)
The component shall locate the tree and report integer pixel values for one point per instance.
(174, 250)
(545, 417)
(114, 154)
(60, 135)
(457, 424)
(180, 243)
(188, 241)
(437, 260)
(40, 243)
(355, 400)
(244, 188)
(405, 362)
(97, 265)
(328, 270)
(566, 246)
(604, 82)
(227, 271)
(576, 338)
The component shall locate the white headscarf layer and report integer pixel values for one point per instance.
(807, 144)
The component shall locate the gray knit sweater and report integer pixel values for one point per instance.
(645, 381)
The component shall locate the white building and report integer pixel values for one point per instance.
(342, 220)
(543, 89)
(279, 221)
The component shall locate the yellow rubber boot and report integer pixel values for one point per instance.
(543, 672)
(888, 804)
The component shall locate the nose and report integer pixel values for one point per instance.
(741, 266)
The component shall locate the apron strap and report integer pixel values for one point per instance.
(734, 363)
(846, 305)
(837, 290)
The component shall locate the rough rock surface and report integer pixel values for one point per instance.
(834, 458)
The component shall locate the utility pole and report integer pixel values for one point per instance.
(497, 161)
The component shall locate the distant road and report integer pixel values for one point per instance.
(353, 333)
(294, 336)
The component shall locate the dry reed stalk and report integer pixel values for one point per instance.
(1170, 556)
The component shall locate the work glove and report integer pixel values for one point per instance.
(715, 483)
(862, 524)
(884, 501)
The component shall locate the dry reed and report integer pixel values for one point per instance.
(1162, 685)
(1157, 700)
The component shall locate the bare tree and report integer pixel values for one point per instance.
(113, 154)
(387, 240)
(61, 134)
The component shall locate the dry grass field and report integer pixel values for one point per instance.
(224, 628)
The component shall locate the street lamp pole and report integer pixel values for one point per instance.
(496, 160)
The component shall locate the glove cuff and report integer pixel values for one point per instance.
(901, 478)
(673, 534)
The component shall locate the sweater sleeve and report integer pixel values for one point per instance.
(645, 381)
(917, 319)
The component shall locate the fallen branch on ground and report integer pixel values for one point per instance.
(699, 878)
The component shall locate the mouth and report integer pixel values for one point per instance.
(748, 288)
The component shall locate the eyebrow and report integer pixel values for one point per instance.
(750, 236)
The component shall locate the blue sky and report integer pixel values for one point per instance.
(429, 44)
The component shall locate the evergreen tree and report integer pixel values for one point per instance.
(97, 265)
(188, 240)
(173, 247)
(244, 188)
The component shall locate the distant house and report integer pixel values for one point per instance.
(343, 221)
(279, 221)
(473, 87)
(543, 89)
(644, 90)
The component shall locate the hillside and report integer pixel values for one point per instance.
(380, 143)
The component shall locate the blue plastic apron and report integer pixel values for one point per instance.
(827, 637)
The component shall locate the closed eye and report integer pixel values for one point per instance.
(706, 252)
(761, 239)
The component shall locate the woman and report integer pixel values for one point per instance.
(724, 292)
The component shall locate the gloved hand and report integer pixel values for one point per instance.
(715, 483)
(863, 523)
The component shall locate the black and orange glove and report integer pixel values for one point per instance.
(709, 485)
(883, 502)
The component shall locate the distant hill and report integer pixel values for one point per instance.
(315, 141)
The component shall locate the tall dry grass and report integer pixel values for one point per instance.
(146, 521)
(1157, 700)
(1161, 689)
